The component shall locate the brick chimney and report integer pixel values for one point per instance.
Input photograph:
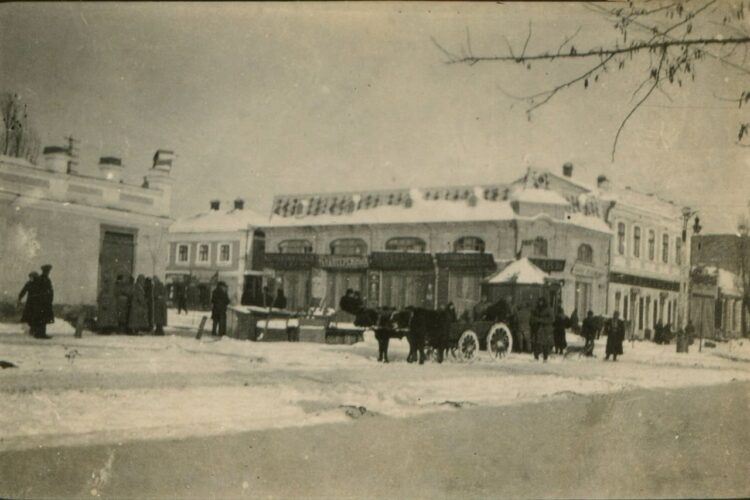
(215, 205)
(159, 177)
(239, 204)
(111, 168)
(567, 170)
(56, 158)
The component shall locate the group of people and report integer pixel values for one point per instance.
(132, 306)
(37, 312)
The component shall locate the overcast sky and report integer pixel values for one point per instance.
(261, 99)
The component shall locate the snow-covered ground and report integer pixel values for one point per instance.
(115, 388)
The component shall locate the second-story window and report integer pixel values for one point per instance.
(540, 247)
(665, 248)
(621, 238)
(678, 251)
(469, 244)
(348, 246)
(651, 244)
(225, 253)
(636, 241)
(295, 246)
(585, 253)
(203, 253)
(183, 254)
(405, 244)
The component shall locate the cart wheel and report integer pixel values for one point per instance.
(499, 341)
(468, 346)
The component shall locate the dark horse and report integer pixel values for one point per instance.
(420, 326)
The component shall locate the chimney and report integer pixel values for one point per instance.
(602, 182)
(56, 159)
(159, 177)
(568, 170)
(239, 204)
(111, 168)
(215, 204)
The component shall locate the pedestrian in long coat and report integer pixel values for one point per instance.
(28, 292)
(523, 320)
(615, 337)
(219, 301)
(123, 293)
(106, 317)
(561, 321)
(138, 317)
(148, 289)
(41, 313)
(160, 306)
(280, 301)
(589, 329)
(544, 339)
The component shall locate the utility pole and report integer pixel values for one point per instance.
(743, 230)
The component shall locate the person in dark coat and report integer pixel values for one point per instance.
(523, 325)
(106, 316)
(160, 306)
(219, 301)
(450, 313)
(181, 297)
(615, 336)
(480, 308)
(138, 317)
(280, 301)
(357, 303)
(28, 291)
(690, 332)
(148, 289)
(43, 297)
(561, 322)
(123, 291)
(543, 333)
(659, 332)
(588, 329)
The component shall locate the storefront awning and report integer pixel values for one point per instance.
(466, 261)
(397, 261)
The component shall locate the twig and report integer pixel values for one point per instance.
(568, 39)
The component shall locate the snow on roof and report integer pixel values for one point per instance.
(216, 221)
(588, 222)
(541, 196)
(419, 206)
(521, 272)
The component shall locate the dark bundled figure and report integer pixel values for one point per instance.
(138, 316)
(542, 329)
(219, 302)
(561, 322)
(160, 306)
(615, 336)
(280, 300)
(28, 292)
(38, 311)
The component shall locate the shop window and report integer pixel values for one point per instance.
(636, 241)
(183, 254)
(204, 253)
(665, 248)
(540, 247)
(651, 244)
(621, 238)
(585, 253)
(348, 246)
(295, 246)
(406, 244)
(469, 244)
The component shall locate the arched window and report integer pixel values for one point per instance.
(405, 244)
(585, 253)
(651, 244)
(348, 246)
(295, 246)
(540, 247)
(468, 244)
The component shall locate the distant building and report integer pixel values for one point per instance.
(217, 245)
(90, 229)
(717, 288)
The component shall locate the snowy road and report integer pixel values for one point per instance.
(110, 389)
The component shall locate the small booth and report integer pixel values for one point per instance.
(522, 281)
(262, 324)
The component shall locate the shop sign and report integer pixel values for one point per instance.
(549, 265)
(478, 261)
(397, 261)
(289, 261)
(342, 261)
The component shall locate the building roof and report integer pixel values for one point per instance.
(519, 272)
(218, 221)
(539, 196)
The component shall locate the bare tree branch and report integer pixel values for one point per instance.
(568, 39)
